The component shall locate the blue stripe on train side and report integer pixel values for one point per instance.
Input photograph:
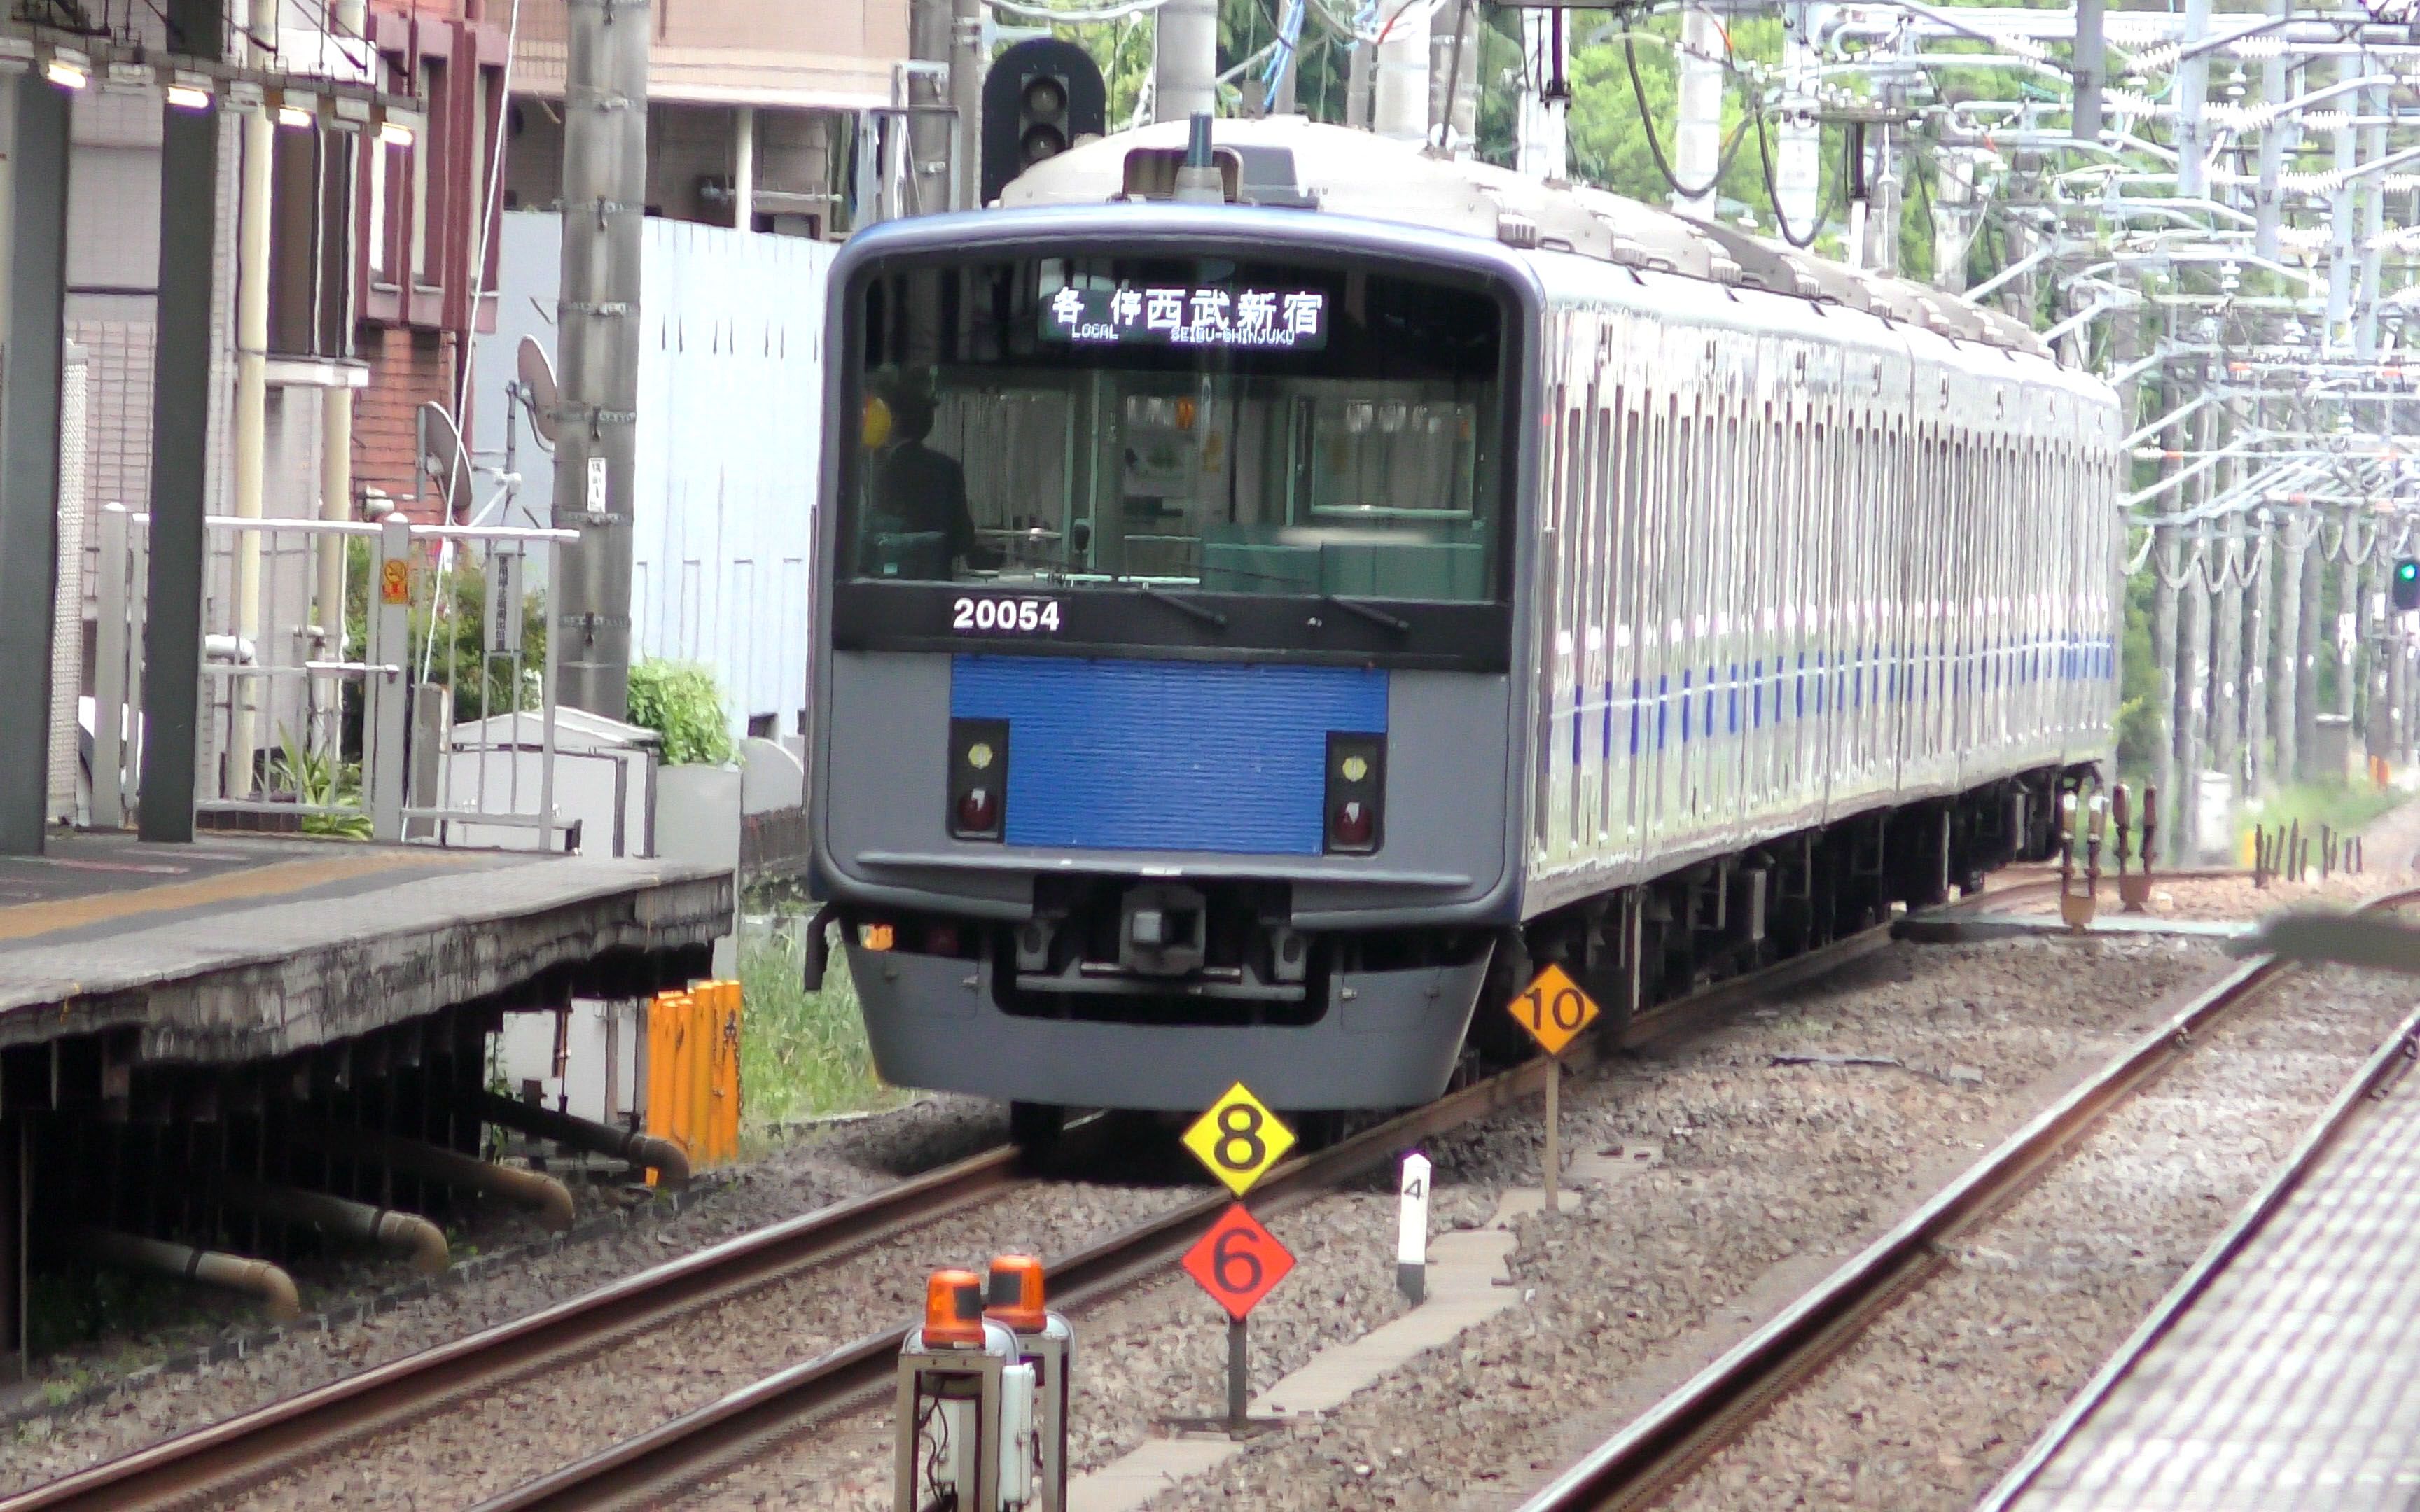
(1167, 755)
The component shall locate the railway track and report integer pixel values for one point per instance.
(654, 1466)
(241, 1450)
(246, 1450)
(1658, 1451)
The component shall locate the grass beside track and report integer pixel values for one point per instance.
(2343, 807)
(801, 1054)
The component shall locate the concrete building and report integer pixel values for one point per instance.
(426, 258)
(753, 109)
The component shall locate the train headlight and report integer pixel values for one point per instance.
(978, 797)
(1356, 793)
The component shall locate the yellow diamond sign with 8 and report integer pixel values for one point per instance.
(1238, 1139)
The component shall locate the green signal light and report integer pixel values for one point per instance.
(2407, 570)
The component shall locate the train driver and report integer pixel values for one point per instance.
(919, 526)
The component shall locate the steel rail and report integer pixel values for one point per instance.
(238, 1451)
(1661, 1448)
(2393, 1058)
(651, 1467)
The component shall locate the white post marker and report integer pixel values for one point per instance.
(1412, 1231)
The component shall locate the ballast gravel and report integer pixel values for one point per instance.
(491, 1441)
(147, 1404)
(1748, 1162)
(1951, 1386)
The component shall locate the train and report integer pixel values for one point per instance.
(1279, 588)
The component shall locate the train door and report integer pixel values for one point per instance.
(1757, 623)
(1547, 782)
(1740, 650)
(1627, 617)
(1598, 638)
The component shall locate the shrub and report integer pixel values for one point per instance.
(678, 701)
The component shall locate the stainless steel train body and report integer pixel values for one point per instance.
(1659, 625)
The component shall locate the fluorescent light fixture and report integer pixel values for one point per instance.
(395, 133)
(186, 97)
(300, 119)
(65, 74)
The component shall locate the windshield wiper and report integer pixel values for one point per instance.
(1369, 611)
(1178, 602)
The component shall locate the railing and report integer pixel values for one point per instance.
(307, 723)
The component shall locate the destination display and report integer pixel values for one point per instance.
(1255, 318)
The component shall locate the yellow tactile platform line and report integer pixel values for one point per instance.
(25, 921)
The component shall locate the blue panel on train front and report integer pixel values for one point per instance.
(1167, 755)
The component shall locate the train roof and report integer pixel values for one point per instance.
(1292, 162)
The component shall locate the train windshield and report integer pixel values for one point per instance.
(1180, 425)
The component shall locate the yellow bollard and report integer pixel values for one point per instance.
(696, 1069)
(727, 1044)
(664, 1054)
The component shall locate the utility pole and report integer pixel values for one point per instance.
(931, 136)
(2227, 714)
(1698, 128)
(1538, 142)
(604, 210)
(2348, 613)
(1399, 93)
(2165, 580)
(1797, 171)
(2192, 88)
(2091, 70)
(2285, 695)
(2306, 646)
(2256, 658)
(2193, 653)
(967, 64)
(1184, 63)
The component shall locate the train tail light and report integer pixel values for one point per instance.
(954, 1310)
(978, 779)
(1015, 1297)
(1356, 793)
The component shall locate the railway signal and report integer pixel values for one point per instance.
(1040, 98)
(1554, 1011)
(2407, 585)
(1238, 1139)
(1238, 1261)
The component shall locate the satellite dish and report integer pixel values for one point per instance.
(537, 380)
(442, 458)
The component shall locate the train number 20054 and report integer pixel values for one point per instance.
(1005, 616)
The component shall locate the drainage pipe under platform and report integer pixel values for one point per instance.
(258, 1278)
(667, 1159)
(406, 1232)
(540, 1195)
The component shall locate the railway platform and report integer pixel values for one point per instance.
(245, 948)
(244, 1002)
(2280, 1373)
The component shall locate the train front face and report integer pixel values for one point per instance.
(1162, 707)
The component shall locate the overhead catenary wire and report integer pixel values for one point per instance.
(1656, 148)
